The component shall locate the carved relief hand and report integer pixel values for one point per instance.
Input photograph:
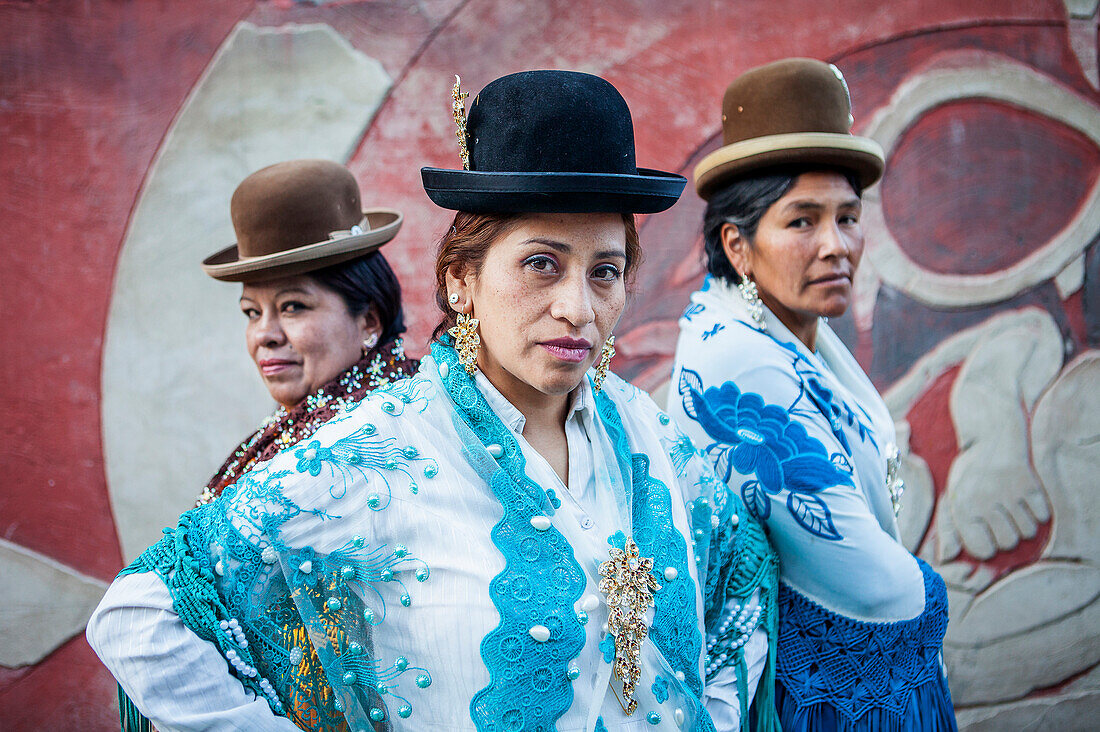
(993, 498)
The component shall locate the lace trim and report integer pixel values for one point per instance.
(858, 667)
(529, 686)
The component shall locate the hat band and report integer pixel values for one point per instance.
(786, 141)
(358, 230)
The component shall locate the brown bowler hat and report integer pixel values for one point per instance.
(296, 217)
(787, 112)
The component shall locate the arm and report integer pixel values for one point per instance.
(778, 451)
(179, 681)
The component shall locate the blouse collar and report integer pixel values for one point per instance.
(580, 407)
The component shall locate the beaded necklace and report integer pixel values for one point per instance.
(384, 364)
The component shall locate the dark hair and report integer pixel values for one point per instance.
(743, 202)
(467, 242)
(366, 282)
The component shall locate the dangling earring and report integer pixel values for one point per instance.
(467, 341)
(605, 363)
(369, 342)
(752, 299)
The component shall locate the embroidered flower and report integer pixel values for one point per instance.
(660, 689)
(311, 457)
(607, 645)
(756, 438)
(305, 567)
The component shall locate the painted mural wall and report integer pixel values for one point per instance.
(124, 127)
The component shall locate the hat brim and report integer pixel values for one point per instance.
(862, 155)
(477, 191)
(228, 266)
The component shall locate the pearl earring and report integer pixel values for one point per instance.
(369, 342)
(752, 298)
(453, 299)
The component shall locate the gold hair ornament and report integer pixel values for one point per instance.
(458, 108)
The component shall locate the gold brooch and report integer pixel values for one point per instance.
(629, 584)
(458, 108)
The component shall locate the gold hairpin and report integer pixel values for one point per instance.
(459, 110)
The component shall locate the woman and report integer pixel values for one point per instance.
(790, 421)
(509, 540)
(323, 306)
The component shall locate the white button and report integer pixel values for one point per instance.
(587, 523)
(540, 523)
(540, 633)
(590, 603)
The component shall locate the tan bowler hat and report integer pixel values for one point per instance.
(793, 111)
(296, 217)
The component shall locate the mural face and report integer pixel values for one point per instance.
(976, 308)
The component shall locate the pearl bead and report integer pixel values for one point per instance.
(574, 673)
(377, 714)
(348, 572)
(306, 567)
(653, 718)
(495, 450)
(333, 604)
(444, 370)
(540, 523)
(680, 675)
(540, 633)
(422, 574)
(678, 717)
(423, 681)
(734, 519)
(401, 663)
(349, 678)
(671, 573)
(404, 711)
(590, 602)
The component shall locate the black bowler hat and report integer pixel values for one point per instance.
(555, 142)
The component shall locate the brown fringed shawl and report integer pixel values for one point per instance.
(284, 428)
